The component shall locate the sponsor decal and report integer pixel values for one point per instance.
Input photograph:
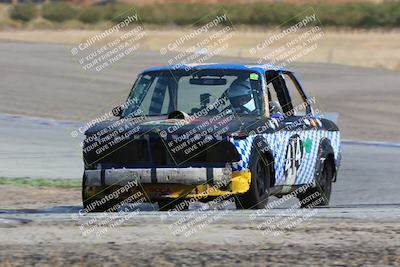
(293, 157)
(254, 76)
(307, 145)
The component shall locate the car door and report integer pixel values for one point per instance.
(295, 138)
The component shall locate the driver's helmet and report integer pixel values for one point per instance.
(240, 96)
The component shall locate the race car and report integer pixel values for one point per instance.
(210, 131)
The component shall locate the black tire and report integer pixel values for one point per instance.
(87, 202)
(257, 196)
(171, 204)
(322, 189)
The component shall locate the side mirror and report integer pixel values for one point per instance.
(117, 111)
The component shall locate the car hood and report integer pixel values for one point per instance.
(229, 124)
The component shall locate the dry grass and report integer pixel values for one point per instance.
(355, 48)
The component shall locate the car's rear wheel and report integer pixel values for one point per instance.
(257, 196)
(319, 195)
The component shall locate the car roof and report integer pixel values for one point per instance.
(260, 68)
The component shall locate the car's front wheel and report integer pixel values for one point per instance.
(94, 204)
(257, 196)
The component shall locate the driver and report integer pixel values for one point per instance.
(241, 98)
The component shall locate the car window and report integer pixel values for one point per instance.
(156, 96)
(189, 95)
(148, 95)
(295, 96)
(161, 92)
(284, 93)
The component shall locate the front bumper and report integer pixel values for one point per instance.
(188, 176)
(160, 183)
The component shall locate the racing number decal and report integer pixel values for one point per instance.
(294, 155)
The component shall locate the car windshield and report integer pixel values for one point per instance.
(162, 92)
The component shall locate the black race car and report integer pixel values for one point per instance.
(206, 131)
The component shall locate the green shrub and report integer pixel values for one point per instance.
(59, 11)
(356, 15)
(24, 12)
(92, 14)
(39, 23)
(111, 10)
(389, 14)
(155, 14)
(117, 12)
